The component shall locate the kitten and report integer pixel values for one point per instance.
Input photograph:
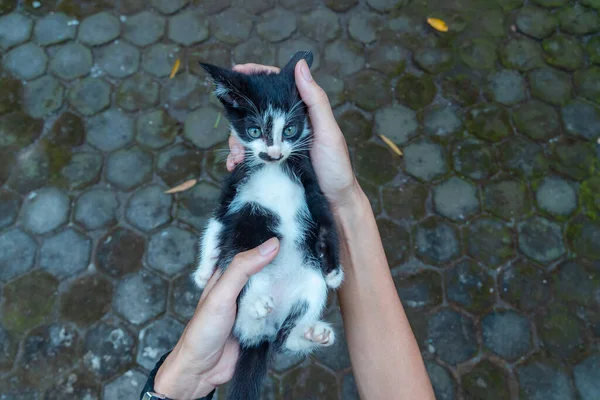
(273, 193)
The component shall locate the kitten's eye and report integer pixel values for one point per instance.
(289, 131)
(254, 132)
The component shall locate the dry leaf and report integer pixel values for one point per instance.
(598, 141)
(437, 24)
(392, 145)
(184, 186)
(175, 68)
(216, 125)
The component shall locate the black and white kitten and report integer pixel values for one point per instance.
(273, 193)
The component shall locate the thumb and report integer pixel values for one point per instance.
(243, 266)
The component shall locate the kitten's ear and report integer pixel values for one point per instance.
(301, 55)
(228, 84)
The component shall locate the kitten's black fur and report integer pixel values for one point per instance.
(245, 97)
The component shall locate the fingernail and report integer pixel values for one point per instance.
(305, 71)
(268, 247)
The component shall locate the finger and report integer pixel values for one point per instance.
(253, 68)
(210, 284)
(243, 266)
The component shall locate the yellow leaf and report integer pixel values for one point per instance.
(437, 24)
(392, 145)
(175, 68)
(216, 125)
(184, 186)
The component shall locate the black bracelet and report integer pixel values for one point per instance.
(149, 386)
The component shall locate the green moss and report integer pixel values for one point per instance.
(82, 8)
(486, 382)
(7, 6)
(9, 95)
(461, 89)
(489, 121)
(415, 92)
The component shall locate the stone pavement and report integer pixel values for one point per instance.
(490, 220)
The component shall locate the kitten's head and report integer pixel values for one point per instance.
(265, 110)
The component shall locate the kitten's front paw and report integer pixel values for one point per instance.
(263, 307)
(320, 333)
(201, 278)
(334, 278)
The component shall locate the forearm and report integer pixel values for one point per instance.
(385, 357)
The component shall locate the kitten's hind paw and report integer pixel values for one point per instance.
(334, 278)
(263, 307)
(320, 333)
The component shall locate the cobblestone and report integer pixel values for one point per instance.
(108, 349)
(53, 29)
(110, 130)
(26, 62)
(140, 297)
(99, 29)
(90, 96)
(456, 199)
(43, 96)
(156, 339)
(128, 168)
(171, 250)
(71, 61)
(17, 252)
(425, 160)
(144, 28)
(45, 210)
(452, 336)
(65, 254)
(120, 252)
(97, 209)
(149, 208)
(470, 286)
(14, 29)
(119, 60)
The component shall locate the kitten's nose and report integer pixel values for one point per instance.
(274, 152)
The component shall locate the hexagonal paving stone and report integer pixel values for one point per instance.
(398, 123)
(288, 48)
(444, 386)
(370, 90)
(188, 28)
(593, 49)
(138, 93)
(66, 253)
(586, 83)
(178, 164)
(31, 169)
(276, 25)
(474, 159)
(436, 241)
(119, 60)
(53, 29)
(217, 53)
(26, 62)
(541, 240)
(425, 160)
(556, 197)
(232, 26)
(144, 28)
(311, 382)
(586, 379)
(538, 380)
(78, 306)
(82, 170)
(470, 286)
(536, 22)
(489, 121)
(149, 208)
(43, 96)
(45, 210)
(370, 160)
(478, 53)
(363, 27)
(89, 95)
(578, 20)
(184, 297)
(67, 130)
(562, 334)
(8, 349)
(524, 286)
(168, 6)
(582, 119)
(9, 97)
(254, 49)
(28, 301)
(456, 199)
(391, 58)
(550, 85)
(129, 168)
(386, 5)
(574, 282)
(197, 204)
(156, 339)
(18, 130)
(433, 60)
(461, 89)
(486, 381)
(9, 207)
(506, 199)
(156, 129)
(97, 209)
(573, 157)
(396, 240)
(583, 235)
(415, 92)
(490, 241)
(77, 384)
(563, 52)
(521, 54)
(71, 61)
(200, 128)
(537, 120)
(158, 59)
(506, 87)
(14, 29)
(99, 29)
(171, 250)
(442, 122)
(17, 252)
(140, 297)
(344, 57)
(422, 290)
(507, 334)
(120, 252)
(524, 157)
(49, 351)
(321, 24)
(405, 202)
(108, 349)
(110, 130)
(187, 91)
(452, 335)
(356, 127)
(126, 386)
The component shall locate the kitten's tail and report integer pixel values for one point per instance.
(250, 372)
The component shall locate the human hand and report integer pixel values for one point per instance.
(329, 152)
(206, 354)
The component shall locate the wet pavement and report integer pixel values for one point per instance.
(490, 220)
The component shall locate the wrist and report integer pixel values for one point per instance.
(354, 208)
(176, 380)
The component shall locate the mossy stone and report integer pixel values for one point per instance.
(31, 171)
(369, 89)
(591, 3)
(506, 199)
(80, 9)
(536, 22)
(355, 126)
(395, 240)
(489, 121)
(525, 286)
(524, 157)
(537, 120)
(486, 381)
(28, 300)
(461, 89)
(68, 130)
(593, 49)
(574, 158)
(478, 53)
(550, 3)
(521, 54)
(563, 51)
(433, 60)
(415, 92)
(7, 6)
(407, 202)
(474, 159)
(578, 20)
(587, 83)
(78, 306)
(422, 290)
(470, 286)
(215, 162)
(576, 283)
(9, 95)
(309, 383)
(489, 241)
(550, 85)
(508, 5)
(589, 193)
(562, 333)
(18, 130)
(375, 163)
(583, 235)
